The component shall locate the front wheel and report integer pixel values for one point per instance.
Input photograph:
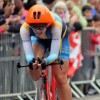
(43, 92)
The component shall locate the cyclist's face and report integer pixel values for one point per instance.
(39, 32)
(39, 29)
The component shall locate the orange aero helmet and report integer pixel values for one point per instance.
(39, 14)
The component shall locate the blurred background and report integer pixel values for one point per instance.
(83, 20)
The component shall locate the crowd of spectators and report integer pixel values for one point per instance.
(13, 13)
(75, 14)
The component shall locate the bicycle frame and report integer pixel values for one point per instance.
(53, 87)
(50, 86)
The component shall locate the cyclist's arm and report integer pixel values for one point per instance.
(25, 36)
(55, 45)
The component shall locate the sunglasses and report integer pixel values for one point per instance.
(38, 26)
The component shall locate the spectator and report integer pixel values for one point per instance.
(1, 7)
(97, 22)
(77, 2)
(4, 13)
(4, 28)
(49, 3)
(18, 16)
(95, 4)
(87, 13)
(74, 9)
(28, 3)
(73, 16)
(61, 9)
(86, 10)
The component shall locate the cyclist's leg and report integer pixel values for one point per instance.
(60, 75)
(38, 52)
(62, 82)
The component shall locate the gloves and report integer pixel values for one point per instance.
(43, 64)
(31, 65)
(41, 61)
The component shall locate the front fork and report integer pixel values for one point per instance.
(45, 87)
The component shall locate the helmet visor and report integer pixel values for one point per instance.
(39, 26)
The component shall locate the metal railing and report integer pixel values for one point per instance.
(83, 74)
(11, 83)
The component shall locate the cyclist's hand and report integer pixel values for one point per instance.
(39, 64)
(43, 64)
(35, 64)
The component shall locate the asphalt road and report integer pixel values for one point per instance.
(92, 97)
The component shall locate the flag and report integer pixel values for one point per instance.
(75, 59)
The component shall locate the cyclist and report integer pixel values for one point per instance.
(43, 29)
